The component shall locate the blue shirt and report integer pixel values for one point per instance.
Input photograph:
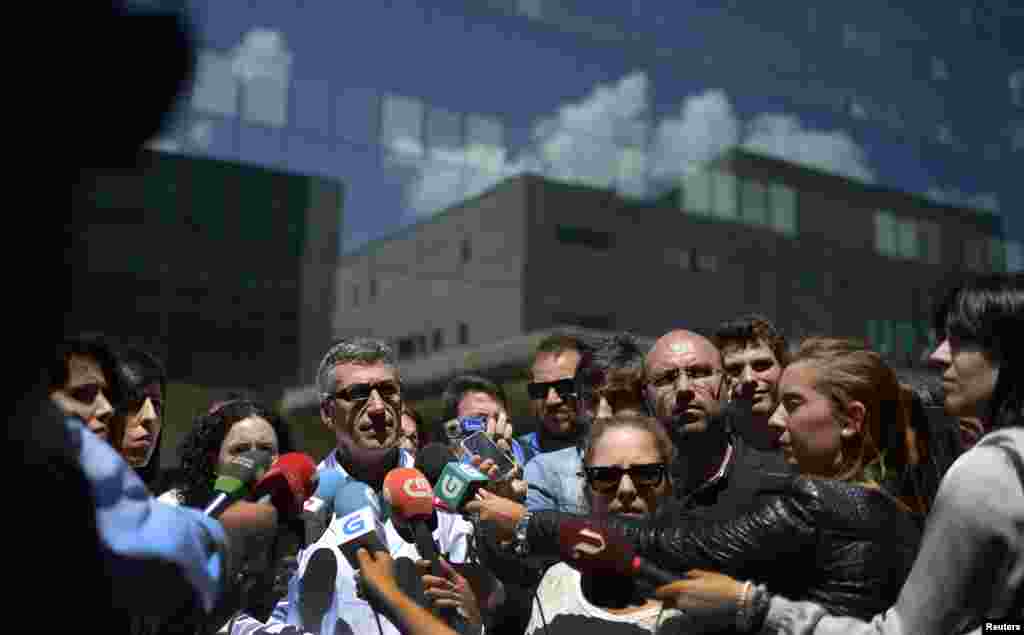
(554, 482)
(141, 536)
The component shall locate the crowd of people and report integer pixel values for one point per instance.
(792, 487)
(736, 483)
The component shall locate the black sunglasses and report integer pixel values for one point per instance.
(388, 391)
(606, 479)
(86, 393)
(565, 388)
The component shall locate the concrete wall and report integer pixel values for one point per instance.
(422, 283)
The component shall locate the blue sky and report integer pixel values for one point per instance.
(872, 93)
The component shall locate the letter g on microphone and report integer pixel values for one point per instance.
(452, 487)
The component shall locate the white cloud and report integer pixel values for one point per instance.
(262, 62)
(262, 53)
(706, 127)
(454, 175)
(784, 137)
(583, 143)
(602, 141)
(986, 201)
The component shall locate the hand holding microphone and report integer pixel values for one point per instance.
(450, 591)
(411, 498)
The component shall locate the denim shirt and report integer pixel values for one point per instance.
(554, 483)
(971, 564)
(141, 536)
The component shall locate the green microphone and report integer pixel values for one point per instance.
(234, 478)
(457, 485)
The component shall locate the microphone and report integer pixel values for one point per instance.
(356, 516)
(599, 550)
(288, 483)
(318, 511)
(234, 478)
(431, 460)
(457, 485)
(412, 501)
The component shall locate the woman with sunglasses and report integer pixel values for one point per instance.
(626, 465)
(830, 534)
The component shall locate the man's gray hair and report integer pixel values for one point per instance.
(352, 350)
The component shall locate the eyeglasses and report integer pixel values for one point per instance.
(606, 479)
(388, 390)
(703, 375)
(566, 388)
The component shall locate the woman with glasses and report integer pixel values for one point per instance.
(830, 534)
(625, 465)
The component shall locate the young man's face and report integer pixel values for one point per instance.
(756, 363)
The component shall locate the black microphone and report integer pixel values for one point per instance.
(431, 460)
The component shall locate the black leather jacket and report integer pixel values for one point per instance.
(840, 545)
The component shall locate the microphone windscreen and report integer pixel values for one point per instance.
(352, 496)
(594, 548)
(409, 493)
(431, 460)
(239, 472)
(299, 469)
(458, 484)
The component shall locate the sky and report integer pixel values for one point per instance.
(635, 104)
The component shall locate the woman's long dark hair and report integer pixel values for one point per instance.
(989, 311)
(200, 448)
(137, 369)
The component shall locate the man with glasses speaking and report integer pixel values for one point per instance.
(361, 403)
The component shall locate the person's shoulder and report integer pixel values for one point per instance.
(988, 476)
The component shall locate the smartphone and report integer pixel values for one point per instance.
(479, 444)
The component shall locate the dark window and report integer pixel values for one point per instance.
(406, 348)
(438, 339)
(421, 344)
(596, 322)
(355, 295)
(463, 333)
(467, 250)
(584, 236)
(373, 288)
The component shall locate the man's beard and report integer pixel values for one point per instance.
(367, 465)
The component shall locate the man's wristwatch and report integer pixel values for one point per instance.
(520, 545)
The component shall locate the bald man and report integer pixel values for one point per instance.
(687, 389)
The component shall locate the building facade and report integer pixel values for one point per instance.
(816, 253)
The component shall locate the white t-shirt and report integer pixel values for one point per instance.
(566, 612)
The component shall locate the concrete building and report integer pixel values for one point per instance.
(471, 287)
